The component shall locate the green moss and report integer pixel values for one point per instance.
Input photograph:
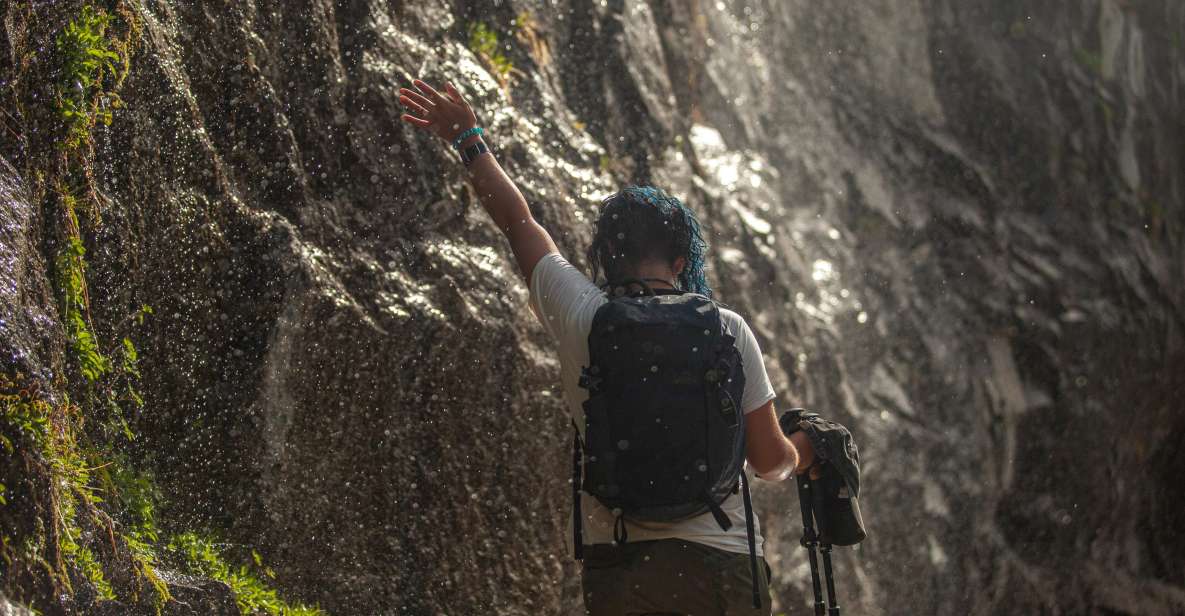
(1092, 60)
(484, 42)
(24, 415)
(80, 481)
(84, 560)
(40, 437)
(1108, 112)
(201, 555)
(63, 489)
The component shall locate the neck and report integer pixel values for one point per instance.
(653, 274)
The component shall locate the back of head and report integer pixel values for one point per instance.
(642, 223)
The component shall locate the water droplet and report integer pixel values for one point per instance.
(654, 368)
(623, 444)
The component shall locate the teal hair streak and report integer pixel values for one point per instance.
(628, 212)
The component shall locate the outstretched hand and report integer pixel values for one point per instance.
(446, 115)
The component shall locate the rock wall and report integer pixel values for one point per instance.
(955, 226)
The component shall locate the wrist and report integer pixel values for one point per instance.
(472, 150)
(806, 451)
(461, 138)
(468, 141)
(784, 469)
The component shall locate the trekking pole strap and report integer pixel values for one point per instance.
(751, 532)
(577, 522)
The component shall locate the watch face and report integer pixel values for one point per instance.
(473, 152)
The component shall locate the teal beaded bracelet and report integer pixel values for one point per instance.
(476, 130)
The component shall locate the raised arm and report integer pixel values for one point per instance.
(448, 116)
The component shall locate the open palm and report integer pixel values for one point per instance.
(447, 115)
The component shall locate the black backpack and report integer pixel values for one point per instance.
(664, 429)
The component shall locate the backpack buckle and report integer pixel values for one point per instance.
(728, 409)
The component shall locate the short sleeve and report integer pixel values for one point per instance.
(758, 389)
(563, 298)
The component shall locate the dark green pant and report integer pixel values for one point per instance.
(671, 577)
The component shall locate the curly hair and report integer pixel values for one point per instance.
(640, 223)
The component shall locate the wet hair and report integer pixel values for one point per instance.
(642, 223)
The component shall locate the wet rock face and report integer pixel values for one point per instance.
(954, 226)
(10, 609)
(27, 316)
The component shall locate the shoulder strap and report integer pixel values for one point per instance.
(577, 521)
(647, 290)
(752, 538)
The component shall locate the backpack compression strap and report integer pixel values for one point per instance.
(717, 512)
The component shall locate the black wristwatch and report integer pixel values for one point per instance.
(469, 154)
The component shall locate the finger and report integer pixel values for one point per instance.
(414, 107)
(416, 98)
(413, 120)
(455, 95)
(428, 91)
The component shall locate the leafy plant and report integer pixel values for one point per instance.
(202, 555)
(72, 283)
(84, 559)
(87, 59)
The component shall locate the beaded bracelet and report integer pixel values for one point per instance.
(476, 130)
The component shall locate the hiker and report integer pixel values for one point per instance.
(649, 248)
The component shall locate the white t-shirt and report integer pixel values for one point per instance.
(565, 302)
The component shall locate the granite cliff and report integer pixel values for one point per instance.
(955, 226)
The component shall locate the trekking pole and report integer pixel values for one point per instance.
(832, 608)
(810, 540)
(820, 509)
